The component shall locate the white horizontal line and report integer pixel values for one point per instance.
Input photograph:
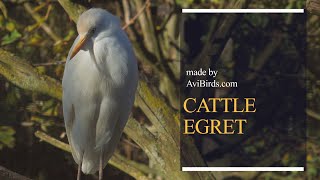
(242, 168)
(242, 10)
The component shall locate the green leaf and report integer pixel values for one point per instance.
(10, 26)
(10, 38)
(69, 36)
(184, 3)
(7, 136)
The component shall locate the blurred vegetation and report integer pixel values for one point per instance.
(42, 32)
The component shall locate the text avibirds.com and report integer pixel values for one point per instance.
(207, 106)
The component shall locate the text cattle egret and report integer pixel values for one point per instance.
(99, 84)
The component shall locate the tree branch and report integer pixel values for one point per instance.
(23, 75)
(73, 9)
(265, 54)
(313, 6)
(41, 22)
(147, 28)
(50, 63)
(134, 169)
(10, 175)
(132, 20)
(313, 114)
(219, 38)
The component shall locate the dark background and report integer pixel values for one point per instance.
(277, 80)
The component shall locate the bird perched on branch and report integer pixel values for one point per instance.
(99, 84)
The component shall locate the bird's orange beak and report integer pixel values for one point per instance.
(79, 45)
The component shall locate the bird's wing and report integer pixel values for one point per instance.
(120, 66)
(69, 117)
(68, 107)
(79, 105)
(108, 118)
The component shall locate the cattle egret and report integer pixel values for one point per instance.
(99, 84)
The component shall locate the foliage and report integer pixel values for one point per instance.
(7, 137)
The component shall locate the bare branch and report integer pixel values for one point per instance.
(313, 114)
(23, 75)
(213, 48)
(41, 22)
(50, 63)
(265, 54)
(313, 6)
(73, 9)
(132, 20)
(10, 175)
(117, 160)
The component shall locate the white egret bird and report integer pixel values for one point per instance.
(99, 84)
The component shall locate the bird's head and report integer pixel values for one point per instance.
(94, 23)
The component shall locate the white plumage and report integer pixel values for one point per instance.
(99, 84)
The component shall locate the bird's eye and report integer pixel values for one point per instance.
(93, 30)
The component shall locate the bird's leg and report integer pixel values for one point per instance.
(79, 171)
(101, 165)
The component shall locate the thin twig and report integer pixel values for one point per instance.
(48, 12)
(126, 10)
(49, 63)
(131, 144)
(126, 15)
(40, 7)
(313, 114)
(41, 23)
(132, 20)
